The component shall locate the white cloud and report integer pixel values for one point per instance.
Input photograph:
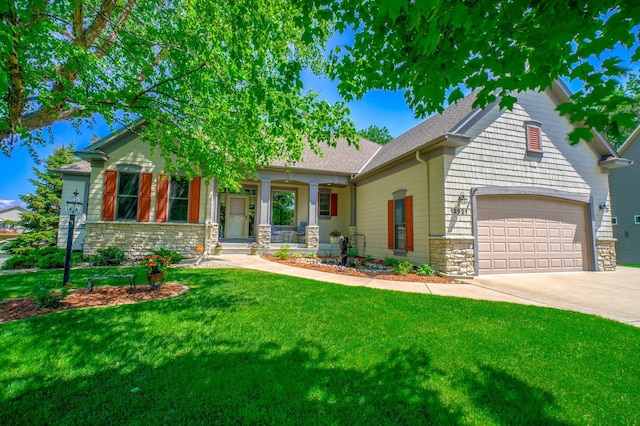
(8, 203)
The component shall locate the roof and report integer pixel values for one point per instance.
(635, 135)
(8, 209)
(80, 168)
(344, 158)
(430, 129)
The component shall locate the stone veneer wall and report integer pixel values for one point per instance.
(214, 233)
(312, 237)
(606, 252)
(264, 236)
(137, 239)
(452, 255)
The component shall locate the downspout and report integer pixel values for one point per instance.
(427, 213)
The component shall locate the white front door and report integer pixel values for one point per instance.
(236, 222)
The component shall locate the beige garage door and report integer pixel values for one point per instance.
(527, 234)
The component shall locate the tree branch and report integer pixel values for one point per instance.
(15, 98)
(110, 40)
(165, 81)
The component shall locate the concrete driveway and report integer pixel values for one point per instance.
(614, 295)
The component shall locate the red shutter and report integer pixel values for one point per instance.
(162, 198)
(334, 204)
(194, 200)
(533, 135)
(109, 195)
(408, 212)
(144, 200)
(390, 233)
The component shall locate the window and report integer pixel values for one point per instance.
(178, 199)
(534, 137)
(400, 222)
(636, 219)
(614, 220)
(328, 203)
(283, 207)
(127, 198)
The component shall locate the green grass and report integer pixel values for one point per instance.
(632, 265)
(248, 347)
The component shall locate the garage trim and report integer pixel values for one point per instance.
(540, 192)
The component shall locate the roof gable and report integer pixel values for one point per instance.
(635, 135)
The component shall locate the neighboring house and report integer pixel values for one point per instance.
(8, 219)
(468, 191)
(625, 202)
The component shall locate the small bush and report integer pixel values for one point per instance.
(296, 255)
(283, 253)
(110, 256)
(173, 255)
(368, 258)
(46, 296)
(390, 261)
(311, 255)
(53, 260)
(21, 261)
(402, 268)
(425, 270)
(352, 253)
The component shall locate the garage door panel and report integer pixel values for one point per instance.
(530, 234)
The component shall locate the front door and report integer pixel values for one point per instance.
(236, 220)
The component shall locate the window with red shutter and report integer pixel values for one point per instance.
(400, 222)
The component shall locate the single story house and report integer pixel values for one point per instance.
(625, 202)
(470, 191)
(9, 217)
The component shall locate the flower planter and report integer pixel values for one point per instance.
(334, 240)
(254, 251)
(217, 251)
(155, 279)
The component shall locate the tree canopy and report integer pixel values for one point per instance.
(631, 88)
(220, 86)
(379, 135)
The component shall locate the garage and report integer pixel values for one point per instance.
(518, 234)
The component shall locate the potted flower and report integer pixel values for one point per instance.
(334, 235)
(155, 266)
(254, 248)
(217, 248)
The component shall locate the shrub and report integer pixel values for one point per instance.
(21, 261)
(368, 258)
(283, 253)
(311, 255)
(352, 253)
(46, 296)
(53, 260)
(172, 255)
(425, 270)
(296, 255)
(110, 256)
(402, 268)
(390, 261)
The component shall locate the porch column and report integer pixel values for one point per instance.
(264, 226)
(313, 204)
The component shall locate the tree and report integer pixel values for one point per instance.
(632, 89)
(496, 46)
(379, 135)
(41, 223)
(217, 82)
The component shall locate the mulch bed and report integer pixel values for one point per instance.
(24, 307)
(411, 277)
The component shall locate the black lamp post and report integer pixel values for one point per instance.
(73, 208)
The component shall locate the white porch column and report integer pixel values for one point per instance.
(265, 202)
(313, 204)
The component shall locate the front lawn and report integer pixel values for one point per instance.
(244, 347)
(632, 265)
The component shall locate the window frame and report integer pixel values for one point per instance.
(614, 221)
(636, 219)
(133, 198)
(171, 198)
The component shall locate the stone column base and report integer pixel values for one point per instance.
(452, 255)
(214, 234)
(606, 254)
(264, 236)
(312, 237)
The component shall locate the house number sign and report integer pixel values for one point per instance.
(459, 210)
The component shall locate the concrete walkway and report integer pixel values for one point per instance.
(613, 295)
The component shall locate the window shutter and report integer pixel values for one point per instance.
(533, 138)
(194, 200)
(144, 203)
(334, 204)
(390, 233)
(109, 195)
(408, 211)
(162, 198)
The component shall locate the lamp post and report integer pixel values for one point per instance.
(73, 208)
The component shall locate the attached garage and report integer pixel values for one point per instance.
(518, 234)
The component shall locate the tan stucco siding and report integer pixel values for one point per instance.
(497, 156)
(139, 154)
(339, 222)
(372, 197)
